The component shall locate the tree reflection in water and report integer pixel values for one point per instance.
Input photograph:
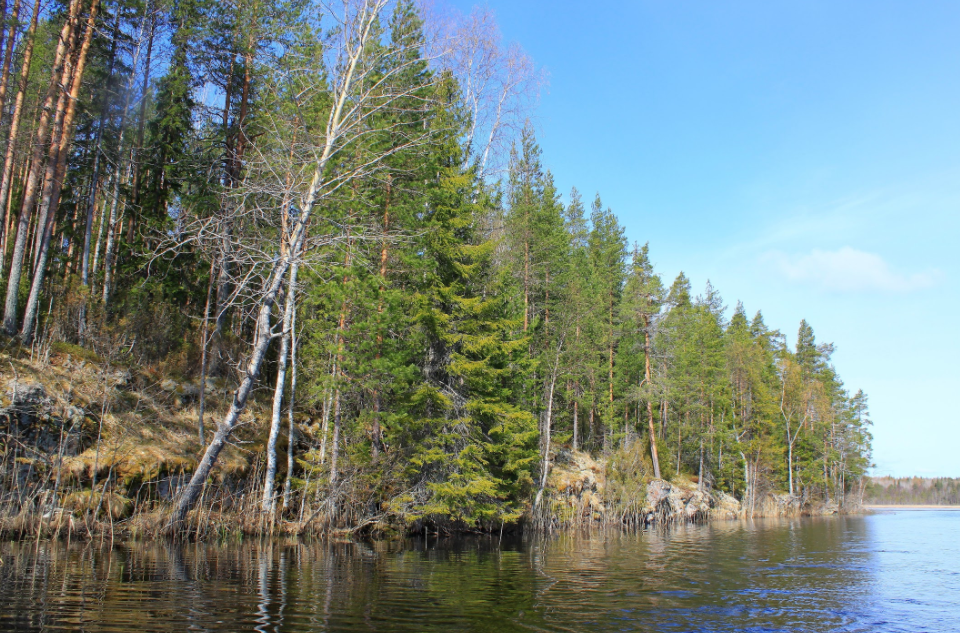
(810, 574)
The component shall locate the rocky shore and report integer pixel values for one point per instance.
(578, 495)
(92, 448)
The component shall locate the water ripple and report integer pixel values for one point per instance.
(837, 574)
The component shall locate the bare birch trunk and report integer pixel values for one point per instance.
(746, 480)
(101, 225)
(291, 430)
(110, 247)
(548, 425)
(339, 122)
(269, 498)
(263, 337)
(790, 461)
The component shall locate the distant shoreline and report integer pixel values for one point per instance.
(909, 507)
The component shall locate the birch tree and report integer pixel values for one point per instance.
(499, 85)
(358, 90)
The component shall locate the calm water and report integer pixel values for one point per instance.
(897, 571)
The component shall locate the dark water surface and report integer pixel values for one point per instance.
(893, 571)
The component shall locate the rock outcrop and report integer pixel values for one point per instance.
(671, 502)
(577, 495)
(574, 490)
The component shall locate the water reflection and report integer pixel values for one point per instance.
(840, 574)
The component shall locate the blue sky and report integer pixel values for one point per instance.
(804, 157)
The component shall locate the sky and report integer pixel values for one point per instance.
(804, 157)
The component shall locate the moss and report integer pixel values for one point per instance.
(75, 351)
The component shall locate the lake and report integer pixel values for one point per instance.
(889, 571)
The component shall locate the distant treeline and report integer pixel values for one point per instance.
(912, 491)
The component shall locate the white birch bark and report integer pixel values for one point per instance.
(342, 116)
(269, 497)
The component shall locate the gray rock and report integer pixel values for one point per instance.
(26, 394)
(188, 391)
(120, 378)
(697, 506)
(73, 414)
(726, 506)
(168, 385)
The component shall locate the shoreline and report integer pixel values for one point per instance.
(919, 507)
(219, 527)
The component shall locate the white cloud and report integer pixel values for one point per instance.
(847, 269)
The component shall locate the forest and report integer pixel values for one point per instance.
(342, 212)
(932, 491)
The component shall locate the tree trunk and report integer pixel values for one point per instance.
(51, 198)
(575, 416)
(95, 177)
(526, 284)
(263, 337)
(8, 54)
(235, 152)
(610, 358)
(679, 442)
(548, 425)
(335, 445)
(111, 245)
(327, 409)
(141, 122)
(377, 433)
(269, 498)
(647, 378)
(746, 481)
(101, 225)
(263, 334)
(33, 176)
(700, 471)
(790, 461)
(291, 430)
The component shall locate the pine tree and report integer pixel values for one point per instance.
(753, 410)
(578, 326)
(607, 250)
(643, 298)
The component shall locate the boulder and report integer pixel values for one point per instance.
(26, 395)
(120, 378)
(670, 502)
(576, 485)
(188, 391)
(665, 502)
(697, 506)
(725, 506)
